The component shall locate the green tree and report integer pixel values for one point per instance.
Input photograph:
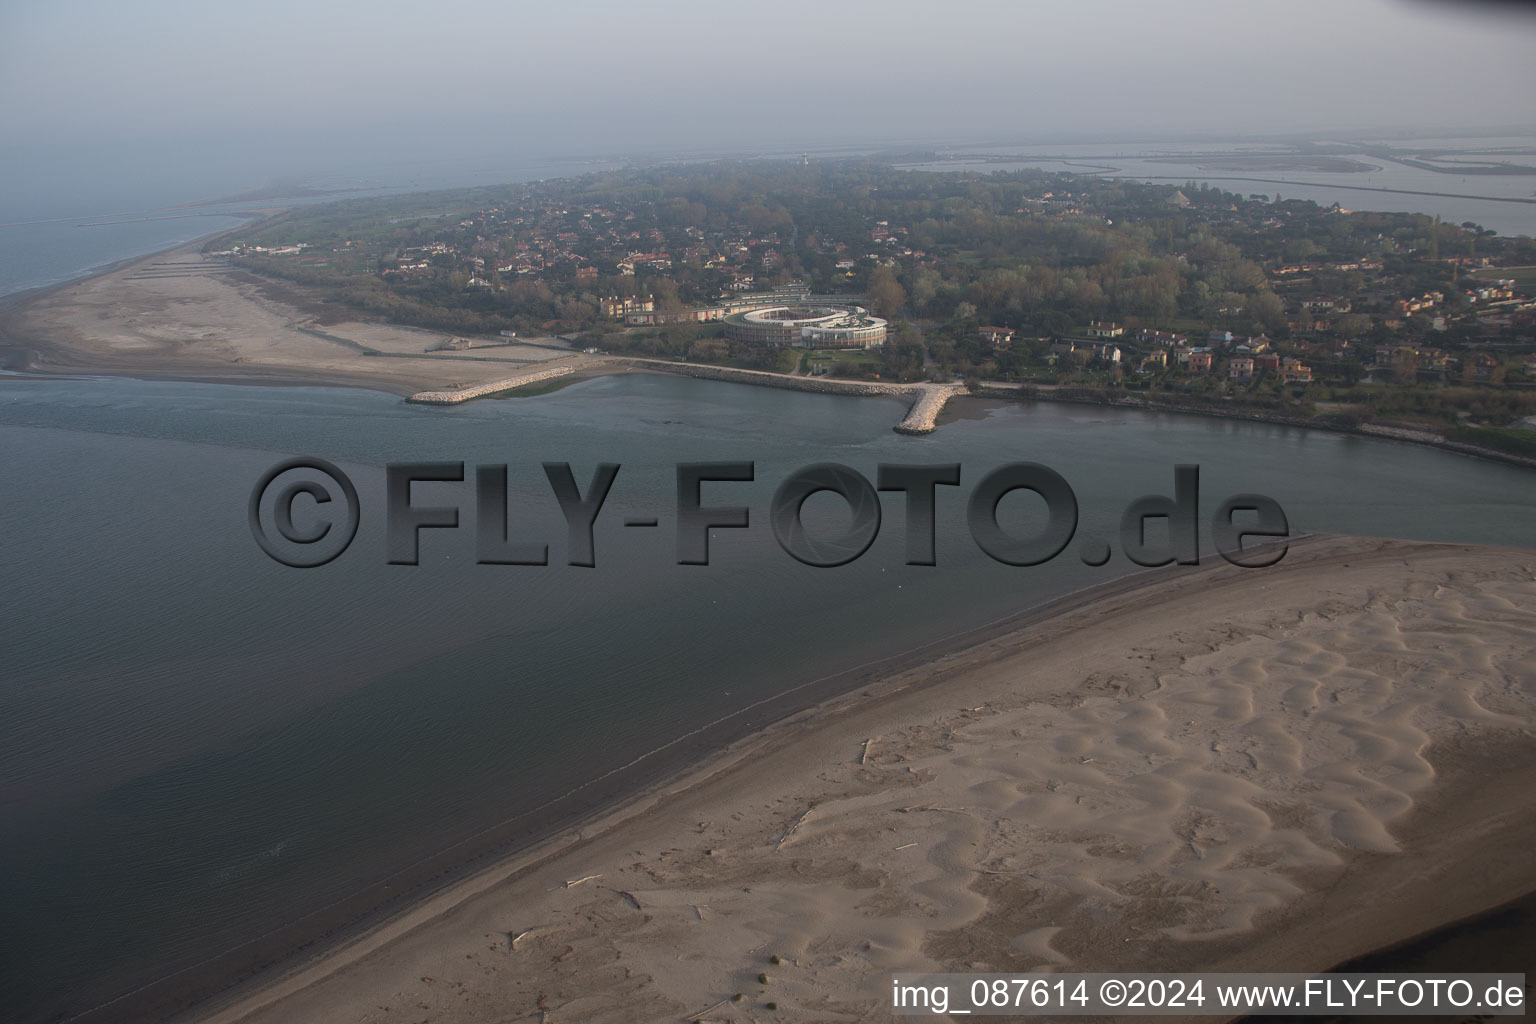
(1266, 309)
(886, 295)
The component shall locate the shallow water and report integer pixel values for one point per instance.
(198, 745)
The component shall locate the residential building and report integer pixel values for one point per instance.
(616, 306)
(1165, 338)
(1293, 370)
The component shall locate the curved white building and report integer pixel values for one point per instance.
(807, 327)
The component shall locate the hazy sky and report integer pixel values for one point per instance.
(607, 76)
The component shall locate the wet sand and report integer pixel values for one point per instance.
(1277, 769)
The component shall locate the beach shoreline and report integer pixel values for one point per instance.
(175, 315)
(1452, 857)
(355, 916)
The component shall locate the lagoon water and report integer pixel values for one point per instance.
(200, 747)
(1505, 203)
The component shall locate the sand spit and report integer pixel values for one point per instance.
(182, 315)
(1269, 769)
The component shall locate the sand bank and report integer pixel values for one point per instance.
(1270, 769)
(181, 315)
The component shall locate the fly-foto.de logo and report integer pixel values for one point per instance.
(305, 512)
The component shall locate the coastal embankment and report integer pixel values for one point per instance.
(1275, 769)
(921, 418)
(1233, 411)
(762, 378)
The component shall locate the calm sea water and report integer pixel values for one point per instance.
(66, 213)
(204, 754)
(199, 746)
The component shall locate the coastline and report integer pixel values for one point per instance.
(175, 315)
(1458, 816)
(231, 327)
(1024, 392)
(356, 916)
(28, 295)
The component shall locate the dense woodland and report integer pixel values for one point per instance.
(939, 254)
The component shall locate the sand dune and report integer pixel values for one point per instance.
(1227, 769)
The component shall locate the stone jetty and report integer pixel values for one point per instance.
(491, 388)
(923, 417)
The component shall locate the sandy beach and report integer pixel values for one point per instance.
(1225, 769)
(180, 315)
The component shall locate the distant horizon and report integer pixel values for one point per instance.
(172, 157)
(358, 78)
(813, 142)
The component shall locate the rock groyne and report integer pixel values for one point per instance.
(491, 388)
(923, 417)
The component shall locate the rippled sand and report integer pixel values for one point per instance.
(1266, 769)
